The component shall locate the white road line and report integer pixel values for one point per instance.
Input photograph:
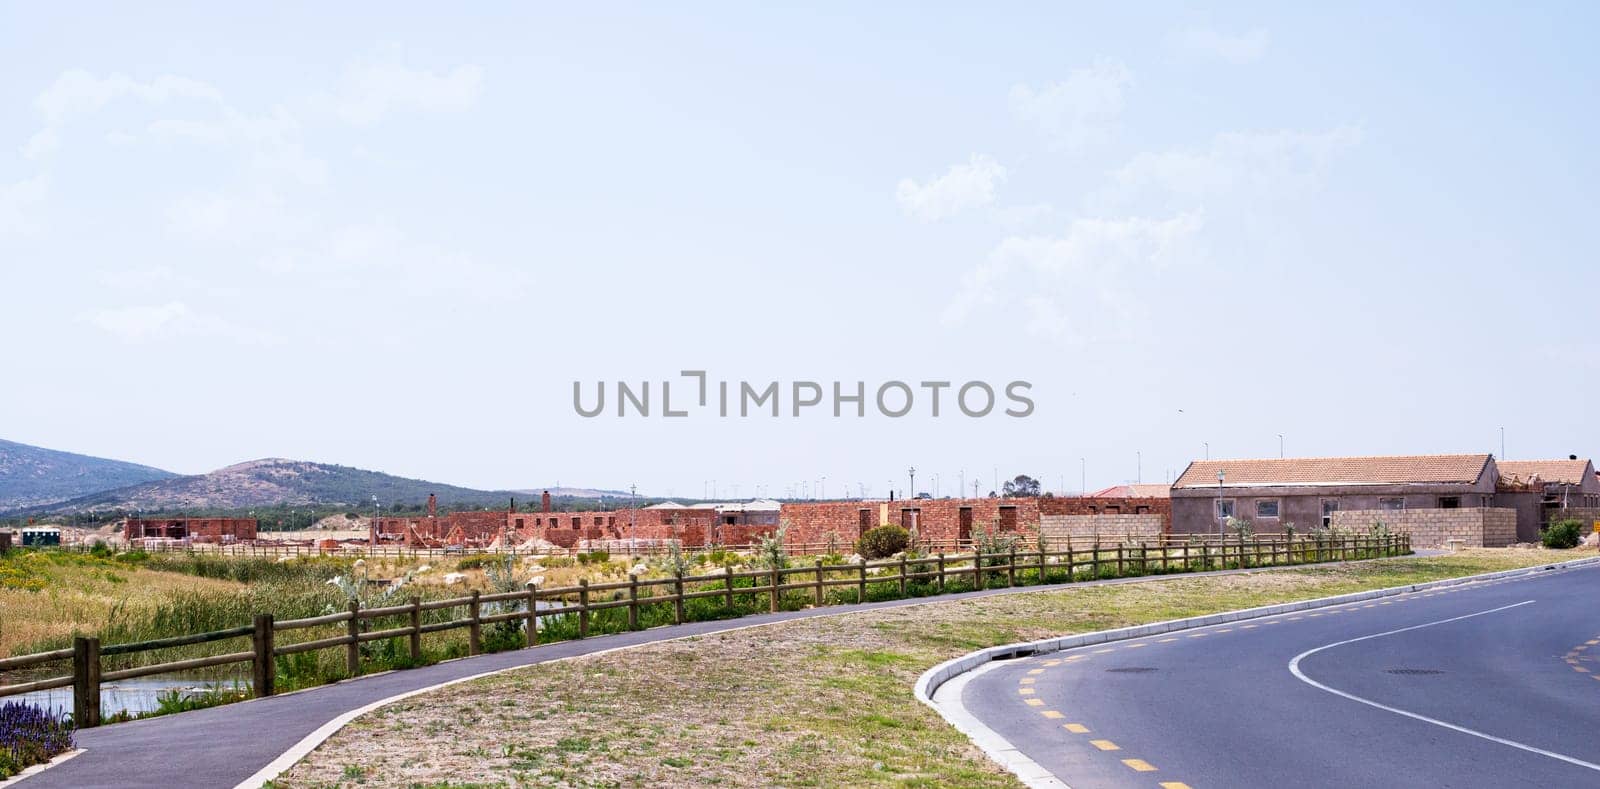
(1294, 668)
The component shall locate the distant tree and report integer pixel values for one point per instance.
(1022, 487)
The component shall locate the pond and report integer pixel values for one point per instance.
(134, 696)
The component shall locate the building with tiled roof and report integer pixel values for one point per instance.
(1309, 492)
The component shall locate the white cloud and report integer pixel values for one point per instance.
(965, 186)
(41, 144)
(1242, 48)
(1258, 164)
(143, 323)
(78, 92)
(16, 199)
(1077, 111)
(371, 90)
(1075, 285)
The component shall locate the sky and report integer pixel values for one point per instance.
(393, 238)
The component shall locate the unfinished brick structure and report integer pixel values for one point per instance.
(936, 520)
(194, 529)
(1100, 504)
(1475, 527)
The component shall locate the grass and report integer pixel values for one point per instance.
(818, 702)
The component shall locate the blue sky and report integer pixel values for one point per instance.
(379, 236)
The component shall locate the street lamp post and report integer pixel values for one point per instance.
(912, 474)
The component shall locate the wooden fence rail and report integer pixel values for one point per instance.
(528, 607)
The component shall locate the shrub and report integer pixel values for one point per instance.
(1563, 534)
(770, 553)
(594, 557)
(883, 542)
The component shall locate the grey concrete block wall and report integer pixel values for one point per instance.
(1105, 527)
(1478, 527)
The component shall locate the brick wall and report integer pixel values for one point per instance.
(935, 519)
(1060, 528)
(1585, 514)
(1095, 505)
(1484, 527)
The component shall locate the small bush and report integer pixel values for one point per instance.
(594, 557)
(883, 542)
(1563, 534)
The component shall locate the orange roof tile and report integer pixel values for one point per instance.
(1393, 470)
(1134, 490)
(1570, 472)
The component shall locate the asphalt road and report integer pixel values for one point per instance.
(222, 746)
(1493, 684)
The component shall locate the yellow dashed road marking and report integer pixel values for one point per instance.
(1247, 627)
(1136, 646)
(1166, 640)
(1076, 728)
(1034, 702)
(1105, 745)
(1027, 680)
(1078, 657)
(1025, 691)
(1103, 651)
(1036, 671)
(1051, 714)
(1054, 662)
(1174, 785)
(1139, 765)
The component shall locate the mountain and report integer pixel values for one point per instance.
(275, 482)
(34, 477)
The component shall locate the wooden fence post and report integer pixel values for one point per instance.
(1094, 561)
(677, 597)
(263, 669)
(475, 630)
(583, 608)
(633, 601)
(85, 682)
(532, 635)
(773, 592)
(902, 575)
(727, 574)
(1119, 560)
(1011, 569)
(352, 648)
(861, 580)
(415, 637)
(819, 583)
(941, 572)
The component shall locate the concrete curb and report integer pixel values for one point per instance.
(957, 671)
(39, 768)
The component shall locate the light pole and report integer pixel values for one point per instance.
(1138, 467)
(912, 474)
(1208, 449)
(377, 513)
(1220, 475)
(1280, 446)
(1083, 477)
(633, 532)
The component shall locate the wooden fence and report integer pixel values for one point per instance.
(898, 577)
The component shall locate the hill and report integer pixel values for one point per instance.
(34, 477)
(274, 482)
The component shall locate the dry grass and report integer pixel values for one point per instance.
(821, 702)
(82, 598)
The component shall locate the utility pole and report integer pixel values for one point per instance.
(1083, 477)
(912, 474)
(1138, 468)
(1208, 449)
(633, 531)
(1502, 443)
(1280, 446)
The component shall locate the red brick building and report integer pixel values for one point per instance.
(218, 530)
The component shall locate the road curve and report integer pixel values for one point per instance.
(1488, 684)
(223, 746)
